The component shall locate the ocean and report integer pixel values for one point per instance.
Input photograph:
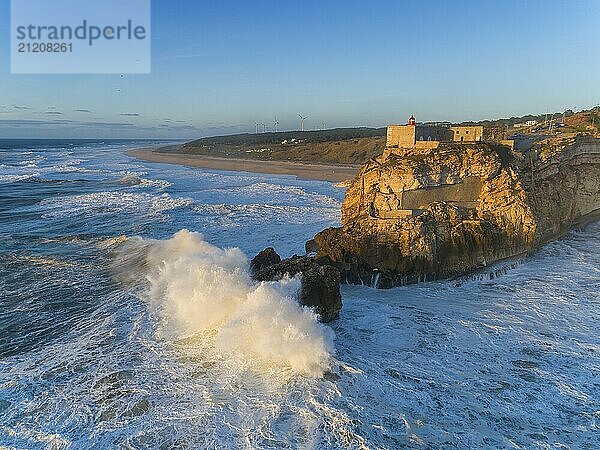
(128, 320)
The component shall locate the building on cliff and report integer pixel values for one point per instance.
(396, 200)
(421, 138)
(413, 135)
(467, 133)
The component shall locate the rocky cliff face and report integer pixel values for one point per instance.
(410, 217)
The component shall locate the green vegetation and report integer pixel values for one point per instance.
(254, 139)
(336, 146)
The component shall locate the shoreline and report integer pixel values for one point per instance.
(306, 171)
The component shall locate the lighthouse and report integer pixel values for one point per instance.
(411, 120)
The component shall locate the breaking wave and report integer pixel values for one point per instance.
(204, 294)
(8, 179)
(107, 202)
(134, 180)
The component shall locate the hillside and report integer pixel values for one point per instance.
(337, 146)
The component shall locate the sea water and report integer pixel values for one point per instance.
(128, 320)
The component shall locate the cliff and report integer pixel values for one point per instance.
(411, 216)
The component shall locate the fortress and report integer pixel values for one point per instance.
(397, 199)
(428, 137)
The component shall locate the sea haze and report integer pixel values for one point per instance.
(128, 319)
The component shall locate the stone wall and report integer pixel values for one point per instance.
(409, 136)
(494, 133)
(464, 194)
(401, 136)
(433, 133)
(467, 133)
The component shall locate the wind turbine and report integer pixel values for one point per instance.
(302, 119)
(276, 125)
(264, 127)
(257, 124)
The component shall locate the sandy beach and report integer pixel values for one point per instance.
(307, 171)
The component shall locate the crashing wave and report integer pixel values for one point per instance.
(196, 288)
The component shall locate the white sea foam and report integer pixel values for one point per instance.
(16, 178)
(229, 214)
(284, 193)
(70, 168)
(134, 180)
(50, 441)
(197, 288)
(97, 202)
(29, 164)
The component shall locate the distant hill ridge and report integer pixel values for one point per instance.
(336, 134)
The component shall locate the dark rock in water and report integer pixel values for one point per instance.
(331, 376)
(320, 287)
(267, 258)
(290, 266)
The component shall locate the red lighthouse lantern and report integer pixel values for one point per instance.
(412, 120)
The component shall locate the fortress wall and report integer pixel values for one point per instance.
(468, 133)
(433, 133)
(463, 194)
(401, 136)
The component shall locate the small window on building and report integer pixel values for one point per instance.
(467, 132)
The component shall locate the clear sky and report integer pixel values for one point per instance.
(220, 66)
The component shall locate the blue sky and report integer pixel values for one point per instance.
(220, 66)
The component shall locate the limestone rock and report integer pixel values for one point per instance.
(455, 209)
